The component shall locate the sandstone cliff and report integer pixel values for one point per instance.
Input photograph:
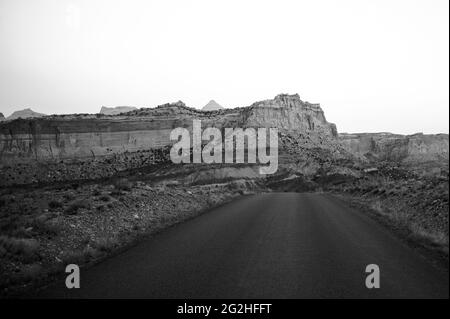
(398, 148)
(103, 144)
(78, 136)
(290, 113)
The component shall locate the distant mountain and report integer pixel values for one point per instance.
(116, 110)
(24, 114)
(212, 106)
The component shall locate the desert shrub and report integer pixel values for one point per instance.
(50, 228)
(378, 207)
(105, 244)
(91, 252)
(75, 185)
(2, 251)
(172, 183)
(30, 272)
(76, 205)
(23, 249)
(9, 224)
(116, 193)
(105, 198)
(122, 184)
(54, 204)
(80, 256)
(75, 257)
(18, 232)
(69, 196)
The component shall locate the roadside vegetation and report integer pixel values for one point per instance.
(44, 229)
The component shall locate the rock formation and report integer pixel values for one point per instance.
(79, 136)
(290, 113)
(398, 148)
(2, 117)
(212, 106)
(130, 140)
(83, 146)
(116, 110)
(24, 114)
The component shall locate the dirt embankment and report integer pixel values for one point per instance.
(417, 210)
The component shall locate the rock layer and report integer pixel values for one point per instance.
(87, 139)
(85, 136)
(116, 110)
(398, 148)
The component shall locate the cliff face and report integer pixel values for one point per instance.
(417, 148)
(69, 137)
(290, 113)
(130, 140)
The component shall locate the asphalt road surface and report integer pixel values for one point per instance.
(280, 245)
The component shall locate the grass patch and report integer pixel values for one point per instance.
(399, 219)
(54, 204)
(30, 273)
(77, 205)
(105, 198)
(46, 227)
(122, 184)
(106, 244)
(23, 249)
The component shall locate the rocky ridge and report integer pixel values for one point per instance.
(27, 146)
(83, 146)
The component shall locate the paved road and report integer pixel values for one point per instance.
(283, 245)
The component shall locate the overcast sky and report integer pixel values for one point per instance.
(373, 65)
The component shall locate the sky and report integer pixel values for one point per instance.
(374, 66)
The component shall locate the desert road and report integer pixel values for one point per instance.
(280, 245)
